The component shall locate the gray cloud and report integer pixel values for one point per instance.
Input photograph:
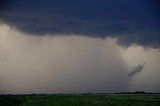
(65, 64)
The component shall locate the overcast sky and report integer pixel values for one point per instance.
(77, 46)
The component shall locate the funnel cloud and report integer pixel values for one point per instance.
(137, 69)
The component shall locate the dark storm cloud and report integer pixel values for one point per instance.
(132, 22)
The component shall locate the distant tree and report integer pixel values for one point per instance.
(140, 92)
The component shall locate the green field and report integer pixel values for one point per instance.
(81, 100)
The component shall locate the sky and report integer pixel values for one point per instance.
(78, 46)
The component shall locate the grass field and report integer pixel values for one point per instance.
(81, 100)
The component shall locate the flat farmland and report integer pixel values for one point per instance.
(81, 100)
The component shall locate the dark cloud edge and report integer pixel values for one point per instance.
(127, 32)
